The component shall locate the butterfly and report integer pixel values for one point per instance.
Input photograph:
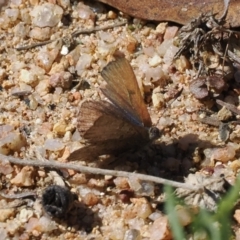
(122, 123)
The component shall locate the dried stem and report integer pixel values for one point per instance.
(74, 34)
(91, 170)
(229, 106)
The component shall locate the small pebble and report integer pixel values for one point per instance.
(54, 145)
(237, 215)
(40, 34)
(46, 15)
(25, 214)
(14, 141)
(62, 79)
(121, 183)
(155, 61)
(28, 77)
(182, 64)
(171, 32)
(132, 234)
(90, 199)
(142, 207)
(85, 12)
(44, 224)
(158, 100)
(160, 230)
(223, 154)
(6, 214)
(184, 215)
(224, 114)
(161, 27)
(24, 178)
(59, 128)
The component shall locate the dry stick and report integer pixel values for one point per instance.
(17, 195)
(229, 106)
(98, 28)
(74, 34)
(91, 170)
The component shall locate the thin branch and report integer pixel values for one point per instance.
(98, 28)
(18, 195)
(74, 34)
(91, 170)
(229, 106)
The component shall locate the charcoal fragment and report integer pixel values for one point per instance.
(57, 201)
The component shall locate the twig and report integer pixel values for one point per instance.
(17, 195)
(91, 170)
(74, 34)
(16, 203)
(98, 28)
(210, 121)
(35, 45)
(229, 106)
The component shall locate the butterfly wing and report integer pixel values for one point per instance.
(106, 130)
(100, 121)
(123, 91)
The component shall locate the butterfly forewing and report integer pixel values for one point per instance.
(123, 91)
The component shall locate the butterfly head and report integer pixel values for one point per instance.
(154, 133)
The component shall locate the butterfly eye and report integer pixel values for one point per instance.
(154, 133)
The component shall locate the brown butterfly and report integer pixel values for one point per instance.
(123, 124)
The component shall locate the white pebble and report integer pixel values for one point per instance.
(28, 77)
(64, 50)
(64, 3)
(84, 11)
(132, 234)
(12, 14)
(154, 216)
(53, 144)
(158, 100)
(141, 187)
(25, 214)
(46, 15)
(21, 30)
(162, 49)
(12, 142)
(170, 53)
(155, 61)
(83, 63)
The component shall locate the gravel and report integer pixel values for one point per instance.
(41, 90)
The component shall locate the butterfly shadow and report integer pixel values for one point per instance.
(173, 160)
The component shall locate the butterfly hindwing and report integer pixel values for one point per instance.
(101, 121)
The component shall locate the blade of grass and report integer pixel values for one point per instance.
(225, 208)
(177, 229)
